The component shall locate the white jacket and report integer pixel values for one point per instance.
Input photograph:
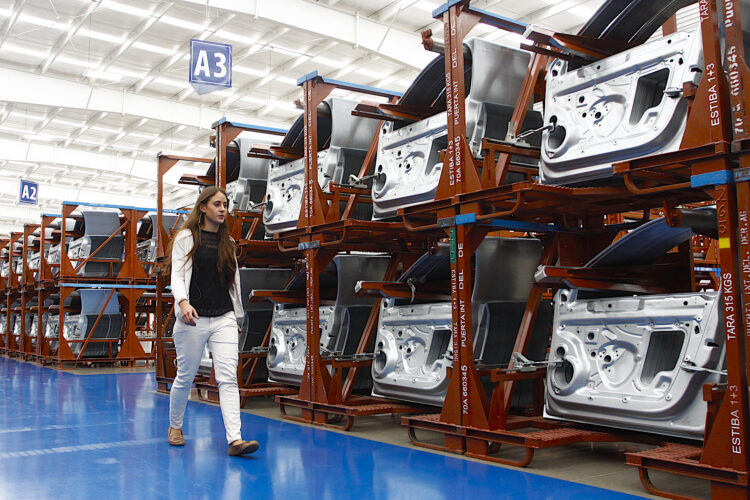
(182, 271)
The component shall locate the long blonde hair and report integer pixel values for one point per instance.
(226, 264)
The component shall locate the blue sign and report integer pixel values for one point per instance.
(210, 66)
(29, 193)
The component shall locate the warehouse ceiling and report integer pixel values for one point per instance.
(92, 90)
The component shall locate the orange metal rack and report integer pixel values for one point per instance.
(468, 205)
(251, 252)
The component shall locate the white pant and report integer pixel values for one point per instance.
(222, 337)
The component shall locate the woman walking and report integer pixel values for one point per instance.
(206, 290)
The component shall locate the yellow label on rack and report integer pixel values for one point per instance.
(724, 243)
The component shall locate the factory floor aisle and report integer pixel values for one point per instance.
(104, 436)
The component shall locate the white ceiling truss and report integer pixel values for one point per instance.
(92, 90)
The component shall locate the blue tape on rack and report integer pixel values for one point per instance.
(712, 179)
(464, 219)
(531, 227)
(304, 78)
(51, 215)
(104, 205)
(715, 270)
(445, 8)
(364, 88)
(107, 286)
(349, 85)
(501, 21)
(248, 126)
(510, 225)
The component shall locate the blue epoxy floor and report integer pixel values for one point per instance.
(104, 436)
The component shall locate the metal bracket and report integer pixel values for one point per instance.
(742, 175)
(308, 245)
(359, 182)
(693, 368)
(413, 289)
(531, 132)
(446, 222)
(363, 356)
(256, 205)
(259, 350)
(522, 363)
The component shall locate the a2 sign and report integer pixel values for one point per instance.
(210, 66)
(28, 193)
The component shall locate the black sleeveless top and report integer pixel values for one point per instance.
(207, 295)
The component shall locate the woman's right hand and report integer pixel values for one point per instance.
(189, 314)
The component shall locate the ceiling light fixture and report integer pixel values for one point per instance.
(18, 114)
(330, 62)
(249, 71)
(46, 23)
(234, 37)
(425, 6)
(153, 48)
(141, 135)
(254, 100)
(43, 137)
(127, 72)
(97, 35)
(169, 82)
(287, 80)
(68, 123)
(284, 105)
(72, 61)
(125, 9)
(284, 50)
(368, 73)
(103, 75)
(106, 130)
(182, 23)
(24, 50)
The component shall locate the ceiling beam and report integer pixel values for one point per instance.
(47, 118)
(29, 88)
(163, 137)
(11, 21)
(402, 47)
(80, 20)
(134, 35)
(134, 125)
(133, 172)
(23, 151)
(278, 71)
(85, 127)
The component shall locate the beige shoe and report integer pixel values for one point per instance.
(240, 447)
(175, 437)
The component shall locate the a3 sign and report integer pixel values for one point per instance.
(210, 66)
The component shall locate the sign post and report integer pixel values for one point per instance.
(210, 66)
